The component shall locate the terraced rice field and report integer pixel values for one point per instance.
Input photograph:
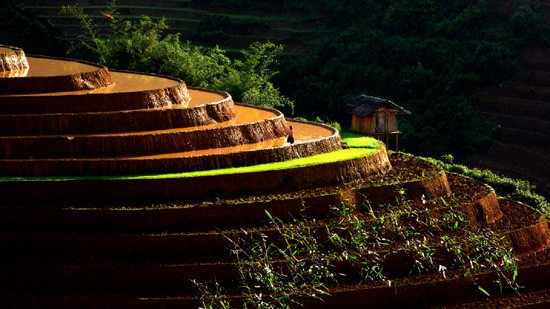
(81, 226)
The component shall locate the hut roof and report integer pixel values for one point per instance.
(365, 105)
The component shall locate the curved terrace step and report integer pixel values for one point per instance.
(208, 107)
(46, 244)
(270, 125)
(534, 77)
(527, 139)
(423, 290)
(195, 188)
(456, 292)
(518, 158)
(525, 228)
(518, 162)
(209, 214)
(132, 91)
(311, 139)
(47, 74)
(518, 107)
(519, 122)
(519, 91)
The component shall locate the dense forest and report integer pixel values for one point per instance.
(428, 56)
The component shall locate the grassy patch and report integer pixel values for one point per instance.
(360, 146)
(356, 140)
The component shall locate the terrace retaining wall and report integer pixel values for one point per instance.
(169, 164)
(142, 143)
(12, 59)
(96, 102)
(196, 188)
(117, 121)
(57, 83)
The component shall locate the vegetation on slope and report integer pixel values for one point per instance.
(428, 56)
(16, 27)
(140, 46)
(516, 189)
(302, 257)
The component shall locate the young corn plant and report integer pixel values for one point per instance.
(212, 295)
(297, 259)
(358, 241)
(276, 270)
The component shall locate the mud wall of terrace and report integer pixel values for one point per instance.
(12, 59)
(42, 84)
(146, 143)
(96, 102)
(207, 245)
(422, 291)
(117, 121)
(169, 164)
(197, 188)
(531, 238)
(429, 186)
(219, 214)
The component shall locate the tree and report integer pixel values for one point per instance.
(141, 46)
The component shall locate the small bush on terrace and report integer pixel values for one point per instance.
(516, 189)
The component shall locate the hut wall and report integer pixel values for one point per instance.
(386, 121)
(391, 121)
(363, 124)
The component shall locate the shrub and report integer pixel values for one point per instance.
(141, 46)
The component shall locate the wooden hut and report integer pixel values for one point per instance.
(376, 117)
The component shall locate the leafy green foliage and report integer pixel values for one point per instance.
(140, 46)
(428, 56)
(274, 275)
(516, 189)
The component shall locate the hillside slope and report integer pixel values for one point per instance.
(203, 23)
(521, 111)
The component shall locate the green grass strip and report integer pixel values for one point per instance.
(360, 146)
(341, 155)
